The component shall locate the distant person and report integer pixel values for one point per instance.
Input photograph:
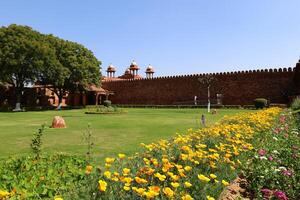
(203, 120)
(195, 100)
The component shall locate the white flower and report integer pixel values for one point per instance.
(263, 158)
(281, 168)
(276, 152)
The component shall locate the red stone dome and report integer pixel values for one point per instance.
(111, 68)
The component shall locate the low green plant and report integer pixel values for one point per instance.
(36, 142)
(88, 139)
(295, 106)
(260, 103)
(107, 103)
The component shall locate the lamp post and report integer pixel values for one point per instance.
(207, 80)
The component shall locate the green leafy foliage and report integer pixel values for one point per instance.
(295, 106)
(52, 175)
(23, 53)
(36, 142)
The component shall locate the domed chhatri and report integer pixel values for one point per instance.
(149, 72)
(127, 71)
(111, 71)
(134, 68)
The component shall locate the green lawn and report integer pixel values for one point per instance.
(113, 133)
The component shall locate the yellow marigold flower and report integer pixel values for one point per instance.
(109, 160)
(107, 174)
(212, 176)
(165, 160)
(187, 168)
(126, 171)
(88, 169)
(140, 180)
(175, 184)
(126, 188)
(56, 198)
(4, 194)
(168, 192)
(127, 180)
(140, 191)
(175, 177)
(160, 176)
(187, 184)
(102, 185)
(184, 156)
(154, 188)
(121, 155)
(225, 183)
(209, 198)
(187, 197)
(203, 178)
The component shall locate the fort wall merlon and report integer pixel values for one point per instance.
(238, 88)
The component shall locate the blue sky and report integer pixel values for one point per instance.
(176, 37)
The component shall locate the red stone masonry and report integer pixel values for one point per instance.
(237, 88)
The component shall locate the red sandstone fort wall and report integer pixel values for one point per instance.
(237, 88)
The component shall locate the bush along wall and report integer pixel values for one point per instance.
(273, 171)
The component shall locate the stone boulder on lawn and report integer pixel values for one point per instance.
(58, 122)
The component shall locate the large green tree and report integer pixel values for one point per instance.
(78, 67)
(23, 53)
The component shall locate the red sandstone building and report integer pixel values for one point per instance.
(230, 88)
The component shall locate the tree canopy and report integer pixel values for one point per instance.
(27, 56)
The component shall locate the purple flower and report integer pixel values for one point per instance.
(280, 195)
(266, 192)
(261, 152)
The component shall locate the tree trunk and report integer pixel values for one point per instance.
(60, 98)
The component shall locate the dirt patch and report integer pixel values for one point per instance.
(236, 190)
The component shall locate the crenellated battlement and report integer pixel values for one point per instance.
(235, 87)
(242, 73)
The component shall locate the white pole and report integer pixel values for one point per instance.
(208, 97)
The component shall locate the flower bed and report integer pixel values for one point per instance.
(197, 165)
(273, 170)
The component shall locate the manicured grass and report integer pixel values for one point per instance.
(111, 133)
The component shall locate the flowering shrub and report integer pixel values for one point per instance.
(49, 176)
(196, 165)
(274, 168)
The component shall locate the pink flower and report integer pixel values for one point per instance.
(295, 155)
(295, 147)
(261, 152)
(270, 158)
(266, 192)
(287, 172)
(282, 119)
(277, 130)
(280, 195)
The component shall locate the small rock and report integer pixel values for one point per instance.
(58, 122)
